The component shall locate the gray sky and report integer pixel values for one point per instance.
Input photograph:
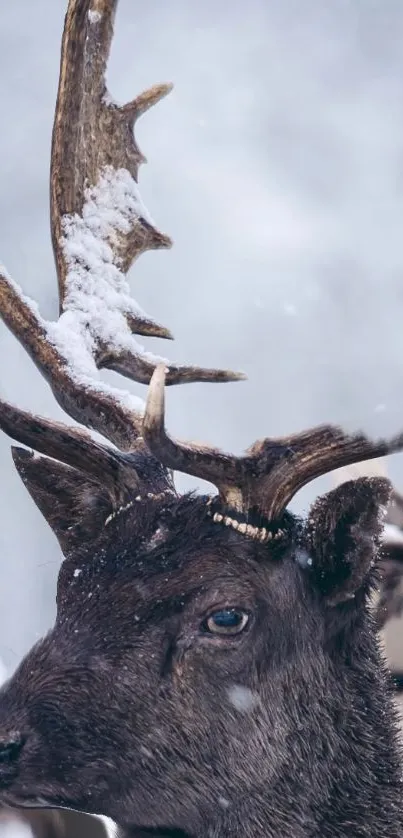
(277, 167)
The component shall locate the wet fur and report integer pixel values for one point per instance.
(128, 704)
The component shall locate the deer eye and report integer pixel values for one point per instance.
(226, 621)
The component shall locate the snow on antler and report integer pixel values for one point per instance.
(99, 227)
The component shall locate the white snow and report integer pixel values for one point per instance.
(97, 292)
(242, 698)
(94, 17)
(75, 348)
(109, 100)
(31, 304)
(224, 802)
(4, 272)
(290, 309)
(303, 558)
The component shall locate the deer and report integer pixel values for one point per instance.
(214, 668)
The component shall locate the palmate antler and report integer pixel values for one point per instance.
(99, 227)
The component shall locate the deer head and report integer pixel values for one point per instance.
(213, 668)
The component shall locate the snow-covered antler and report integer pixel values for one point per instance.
(99, 227)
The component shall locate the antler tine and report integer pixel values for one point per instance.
(223, 470)
(93, 138)
(72, 446)
(77, 391)
(99, 149)
(286, 465)
(99, 227)
(271, 472)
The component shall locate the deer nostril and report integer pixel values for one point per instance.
(10, 746)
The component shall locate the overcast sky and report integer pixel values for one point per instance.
(277, 167)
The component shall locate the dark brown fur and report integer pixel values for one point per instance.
(129, 709)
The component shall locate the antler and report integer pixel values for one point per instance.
(272, 471)
(99, 227)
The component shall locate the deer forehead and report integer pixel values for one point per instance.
(157, 585)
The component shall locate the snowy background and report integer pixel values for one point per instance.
(277, 167)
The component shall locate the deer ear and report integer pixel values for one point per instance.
(75, 506)
(343, 532)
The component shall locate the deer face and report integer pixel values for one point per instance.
(161, 654)
(182, 660)
(199, 650)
